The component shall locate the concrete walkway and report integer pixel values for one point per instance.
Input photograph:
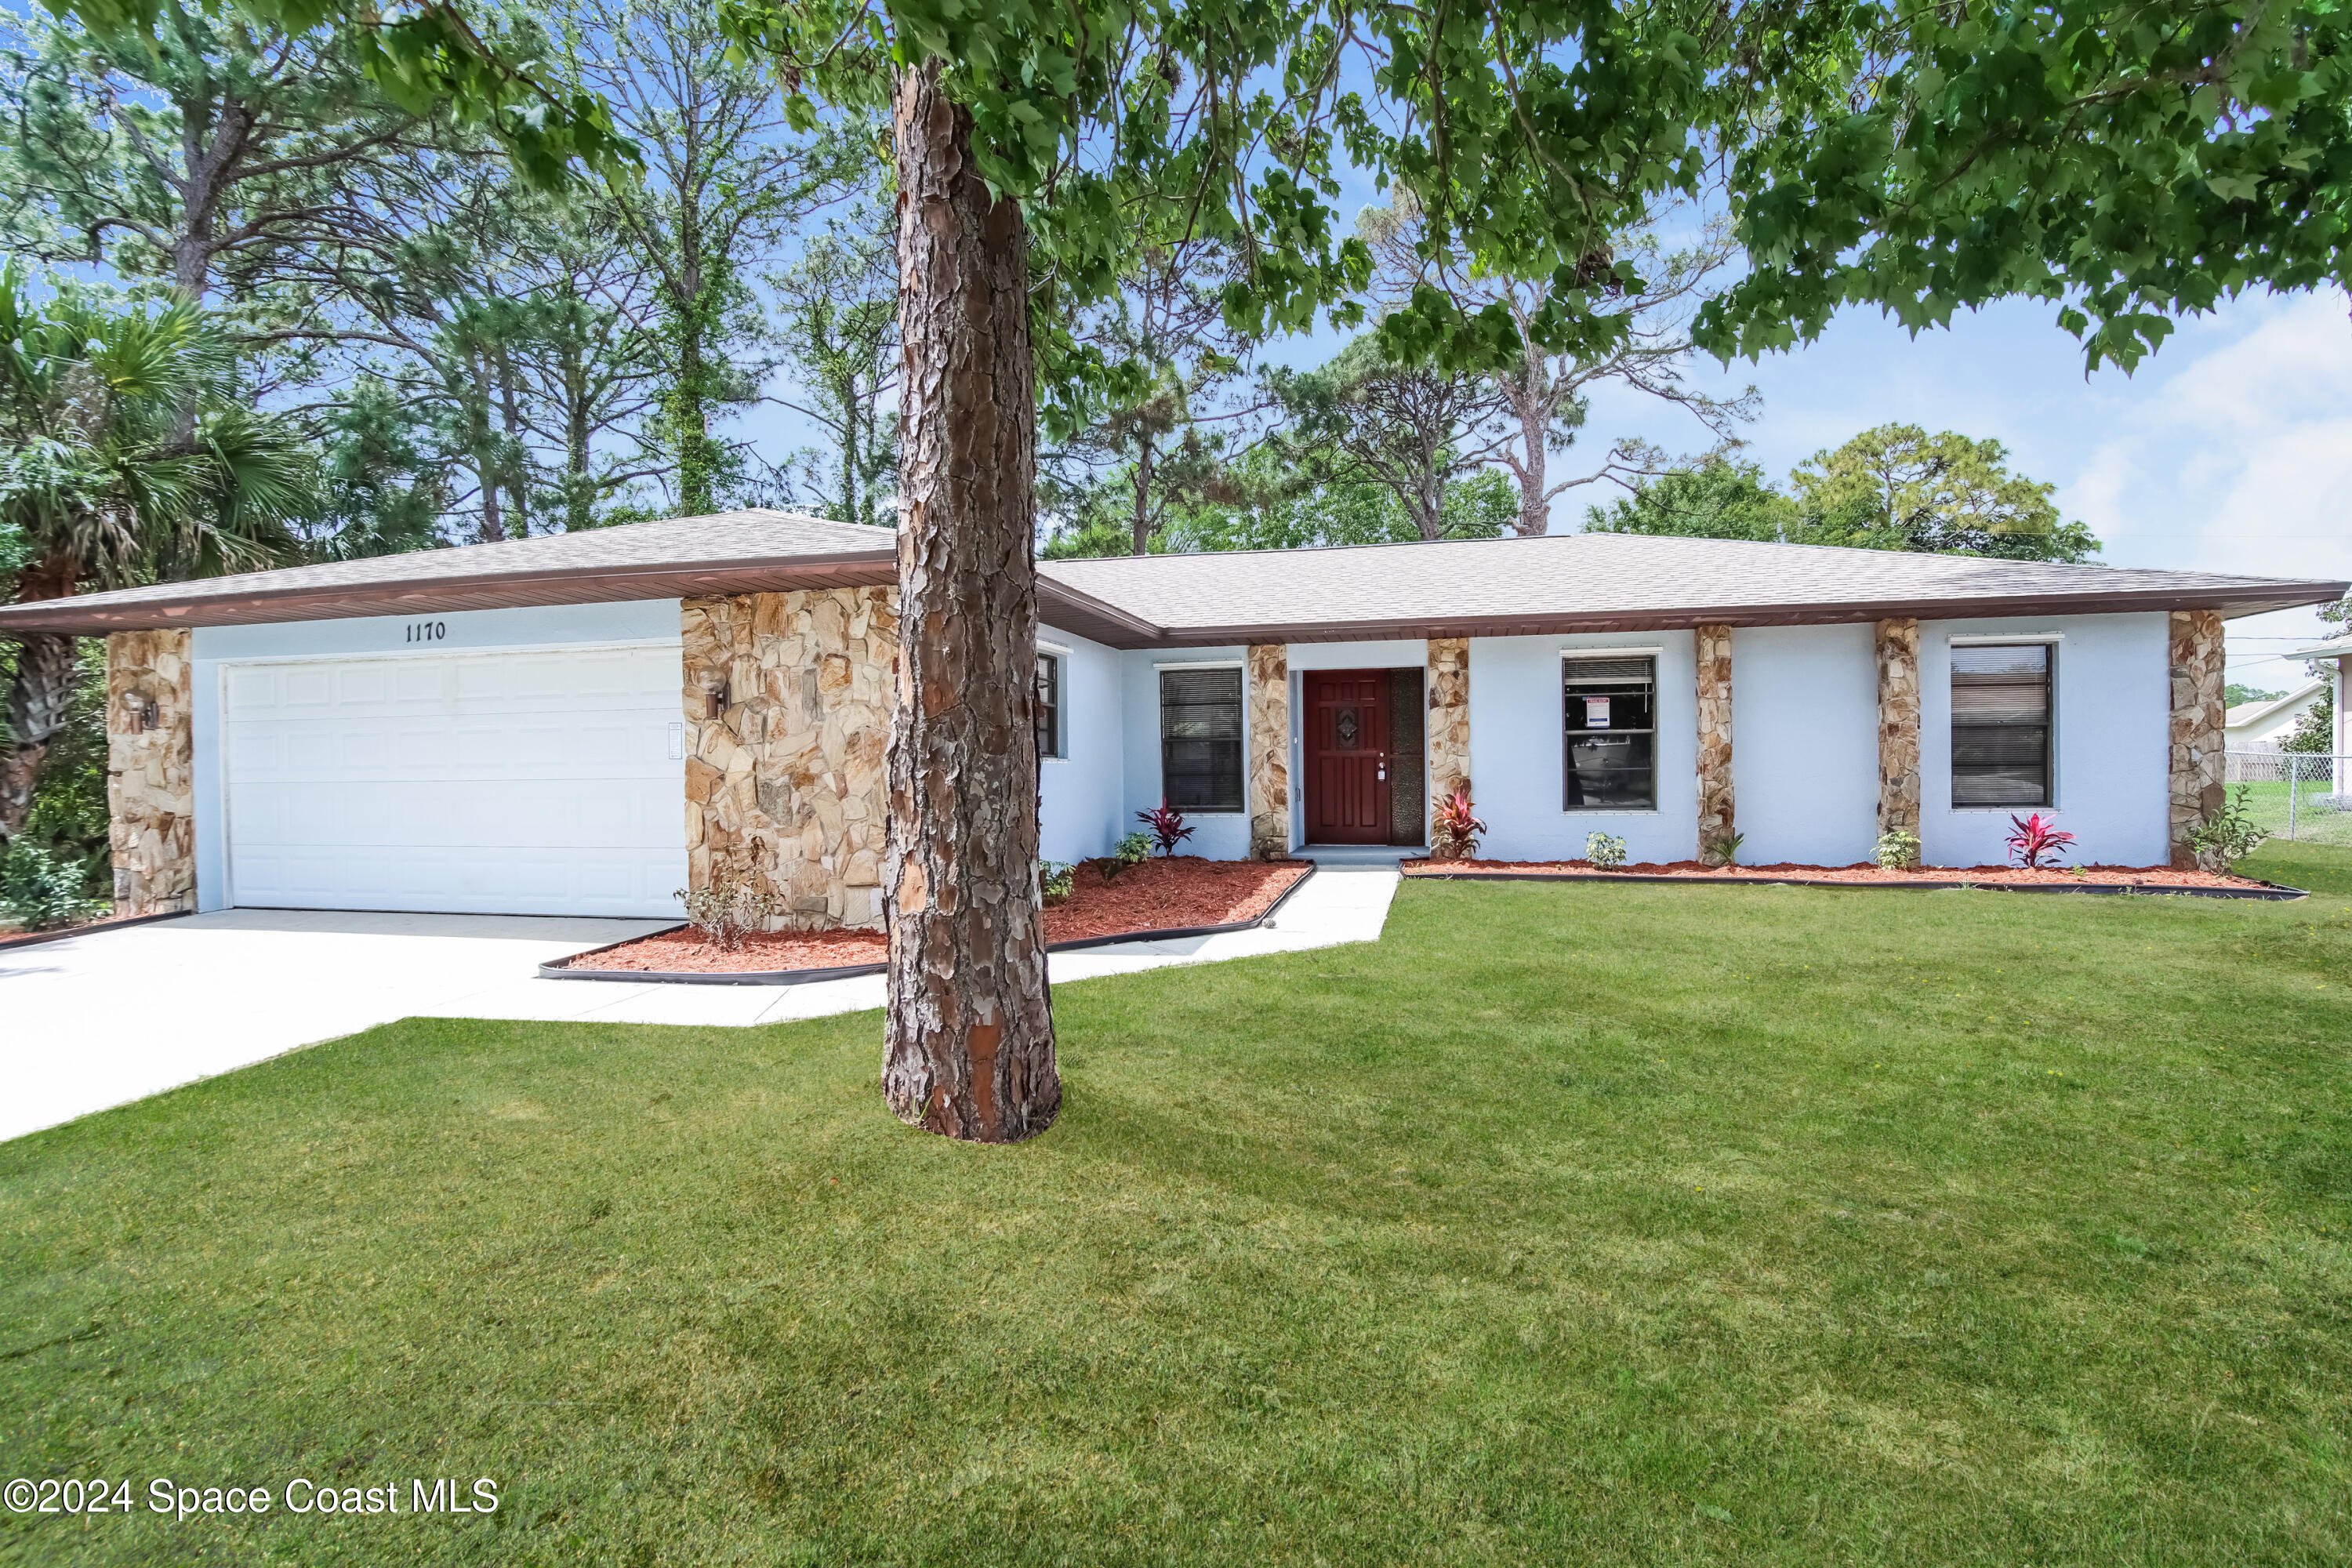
(115, 1016)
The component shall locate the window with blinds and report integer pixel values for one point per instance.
(1049, 705)
(1611, 724)
(1200, 739)
(2000, 724)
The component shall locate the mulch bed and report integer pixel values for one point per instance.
(1982, 876)
(1162, 894)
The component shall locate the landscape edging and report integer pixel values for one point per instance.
(35, 938)
(557, 969)
(2269, 891)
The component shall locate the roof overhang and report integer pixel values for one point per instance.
(421, 596)
(2110, 603)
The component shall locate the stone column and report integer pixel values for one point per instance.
(151, 753)
(1898, 726)
(2197, 726)
(1448, 737)
(1269, 751)
(1716, 812)
(787, 700)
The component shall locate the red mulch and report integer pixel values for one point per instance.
(1162, 894)
(1987, 875)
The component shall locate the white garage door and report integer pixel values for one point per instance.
(545, 782)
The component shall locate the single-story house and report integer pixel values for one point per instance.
(2265, 726)
(584, 723)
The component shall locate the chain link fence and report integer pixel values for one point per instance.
(2302, 796)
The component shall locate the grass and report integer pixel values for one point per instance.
(1571, 1224)
(2316, 820)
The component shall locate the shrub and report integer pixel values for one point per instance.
(1454, 831)
(1056, 880)
(41, 891)
(733, 905)
(2227, 837)
(1897, 851)
(1167, 826)
(2033, 838)
(1724, 851)
(1133, 850)
(1605, 851)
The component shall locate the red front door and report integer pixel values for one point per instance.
(1347, 756)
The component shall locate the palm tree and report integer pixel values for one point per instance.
(101, 490)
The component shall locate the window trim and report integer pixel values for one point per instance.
(2049, 641)
(1568, 655)
(1061, 657)
(1159, 672)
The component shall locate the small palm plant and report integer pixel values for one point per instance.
(1167, 824)
(2035, 838)
(1454, 831)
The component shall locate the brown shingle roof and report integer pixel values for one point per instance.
(727, 553)
(1474, 587)
(1596, 581)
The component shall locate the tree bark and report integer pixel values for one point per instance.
(39, 695)
(968, 1047)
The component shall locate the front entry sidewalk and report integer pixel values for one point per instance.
(112, 1016)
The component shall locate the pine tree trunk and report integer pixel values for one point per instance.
(970, 1043)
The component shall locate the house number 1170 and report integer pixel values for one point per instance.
(426, 631)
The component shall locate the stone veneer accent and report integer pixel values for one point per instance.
(1898, 726)
(1715, 813)
(1448, 738)
(151, 795)
(1269, 751)
(2195, 658)
(788, 700)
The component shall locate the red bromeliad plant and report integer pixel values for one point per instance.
(1453, 831)
(1167, 826)
(2035, 837)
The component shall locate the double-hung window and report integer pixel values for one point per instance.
(1610, 721)
(2000, 724)
(1201, 737)
(1051, 740)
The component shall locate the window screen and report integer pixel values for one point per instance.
(2001, 725)
(1049, 705)
(1609, 707)
(1200, 739)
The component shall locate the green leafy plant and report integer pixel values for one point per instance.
(2227, 837)
(1605, 851)
(42, 892)
(1897, 850)
(1133, 850)
(1724, 850)
(1454, 831)
(731, 906)
(1056, 880)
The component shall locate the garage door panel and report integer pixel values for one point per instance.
(518, 783)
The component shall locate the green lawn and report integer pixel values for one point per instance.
(1568, 1224)
(2315, 819)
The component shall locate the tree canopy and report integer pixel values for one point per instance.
(1894, 487)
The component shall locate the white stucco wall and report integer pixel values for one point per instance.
(1804, 743)
(636, 620)
(2112, 748)
(1216, 835)
(1516, 750)
(1082, 796)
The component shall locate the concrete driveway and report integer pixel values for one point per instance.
(114, 1015)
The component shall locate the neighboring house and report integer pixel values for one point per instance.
(584, 723)
(2339, 654)
(2265, 726)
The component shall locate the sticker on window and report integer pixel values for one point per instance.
(1596, 712)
